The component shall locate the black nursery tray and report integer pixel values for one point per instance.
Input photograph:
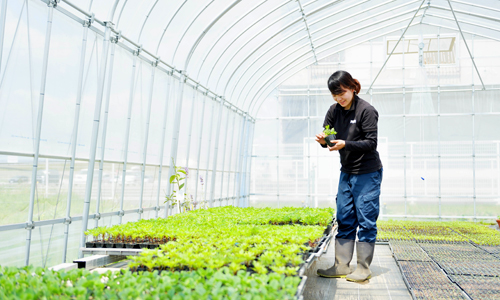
(121, 245)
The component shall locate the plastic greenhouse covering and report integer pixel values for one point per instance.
(100, 99)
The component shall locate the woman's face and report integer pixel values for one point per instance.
(345, 98)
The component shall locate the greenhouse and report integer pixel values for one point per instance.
(168, 149)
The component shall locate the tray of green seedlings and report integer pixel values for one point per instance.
(225, 238)
(408, 250)
(392, 230)
(41, 283)
(479, 287)
(285, 216)
(154, 232)
(257, 249)
(431, 231)
(479, 234)
(426, 281)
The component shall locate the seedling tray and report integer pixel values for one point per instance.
(479, 287)
(425, 280)
(408, 251)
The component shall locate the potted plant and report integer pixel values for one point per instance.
(329, 135)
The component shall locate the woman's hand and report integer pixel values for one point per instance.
(339, 144)
(320, 138)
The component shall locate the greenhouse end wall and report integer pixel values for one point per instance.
(437, 135)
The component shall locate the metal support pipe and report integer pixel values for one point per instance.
(127, 131)
(395, 46)
(105, 127)
(146, 136)
(224, 157)
(309, 184)
(216, 153)
(190, 133)
(177, 127)
(74, 137)
(474, 135)
(240, 160)
(48, 32)
(244, 171)
(208, 153)
(190, 129)
(307, 29)
(466, 46)
(404, 136)
(3, 17)
(199, 148)
(278, 158)
(162, 149)
(249, 158)
(95, 133)
(230, 158)
(236, 175)
(439, 122)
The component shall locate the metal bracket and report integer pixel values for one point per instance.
(30, 225)
(67, 221)
(89, 21)
(185, 75)
(109, 24)
(121, 213)
(53, 3)
(140, 210)
(97, 216)
(116, 38)
(155, 63)
(138, 51)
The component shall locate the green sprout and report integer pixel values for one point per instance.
(329, 131)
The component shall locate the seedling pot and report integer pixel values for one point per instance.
(330, 138)
(498, 222)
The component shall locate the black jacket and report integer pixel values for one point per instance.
(357, 126)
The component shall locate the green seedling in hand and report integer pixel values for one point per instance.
(329, 131)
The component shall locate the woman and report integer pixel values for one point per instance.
(355, 121)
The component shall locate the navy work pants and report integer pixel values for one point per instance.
(358, 205)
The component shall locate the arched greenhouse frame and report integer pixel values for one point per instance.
(102, 102)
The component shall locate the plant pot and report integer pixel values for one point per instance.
(498, 222)
(119, 245)
(330, 138)
(90, 245)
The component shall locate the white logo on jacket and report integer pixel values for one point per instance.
(353, 121)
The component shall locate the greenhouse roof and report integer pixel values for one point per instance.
(242, 50)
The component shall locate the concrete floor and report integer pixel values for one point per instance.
(386, 282)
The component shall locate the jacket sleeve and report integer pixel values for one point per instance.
(328, 121)
(369, 143)
(369, 125)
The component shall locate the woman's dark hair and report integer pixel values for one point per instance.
(341, 80)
